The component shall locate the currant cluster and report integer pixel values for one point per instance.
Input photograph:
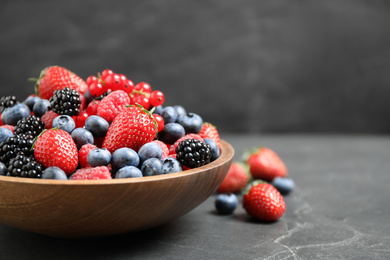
(108, 81)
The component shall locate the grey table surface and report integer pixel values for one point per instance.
(340, 209)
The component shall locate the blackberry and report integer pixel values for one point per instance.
(193, 153)
(24, 166)
(105, 94)
(7, 101)
(66, 102)
(14, 144)
(30, 125)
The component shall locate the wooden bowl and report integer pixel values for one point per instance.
(92, 208)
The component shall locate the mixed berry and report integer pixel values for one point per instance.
(105, 127)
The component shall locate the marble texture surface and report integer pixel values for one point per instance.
(339, 210)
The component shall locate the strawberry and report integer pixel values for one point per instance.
(132, 128)
(92, 173)
(113, 104)
(265, 164)
(210, 131)
(264, 202)
(56, 77)
(235, 180)
(55, 147)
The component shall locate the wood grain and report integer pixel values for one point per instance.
(81, 209)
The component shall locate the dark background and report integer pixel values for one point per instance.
(246, 66)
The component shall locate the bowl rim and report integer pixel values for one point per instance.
(227, 153)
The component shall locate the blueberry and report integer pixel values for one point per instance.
(283, 185)
(171, 165)
(171, 132)
(3, 169)
(4, 134)
(226, 203)
(191, 122)
(82, 136)
(12, 115)
(152, 166)
(149, 150)
(180, 111)
(158, 110)
(97, 125)
(65, 123)
(124, 157)
(99, 157)
(88, 97)
(30, 101)
(214, 148)
(55, 173)
(41, 107)
(128, 172)
(169, 114)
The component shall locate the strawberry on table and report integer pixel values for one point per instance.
(132, 128)
(264, 202)
(56, 77)
(235, 180)
(265, 164)
(55, 147)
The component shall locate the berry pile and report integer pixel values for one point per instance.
(262, 179)
(102, 128)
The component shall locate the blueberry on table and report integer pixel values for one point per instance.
(226, 203)
(5, 133)
(214, 148)
(283, 185)
(30, 101)
(191, 122)
(150, 150)
(12, 115)
(169, 114)
(41, 107)
(171, 165)
(171, 132)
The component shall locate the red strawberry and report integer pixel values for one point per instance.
(48, 118)
(113, 104)
(210, 131)
(55, 147)
(264, 202)
(92, 173)
(83, 153)
(265, 164)
(235, 180)
(132, 128)
(56, 77)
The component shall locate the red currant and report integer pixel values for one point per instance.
(105, 73)
(80, 119)
(114, 82)
(144, 87)
(92, 107)
(141, 100)
(91, 79)
(96, 89)
(156, 98)
(128, 86)
(160, 122)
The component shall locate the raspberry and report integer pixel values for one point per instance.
(48, 118)
(113, 104)
(66, 102)
(172, 149)
(164, 148)
(83, 153)
(193, 153)
(92, 173)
